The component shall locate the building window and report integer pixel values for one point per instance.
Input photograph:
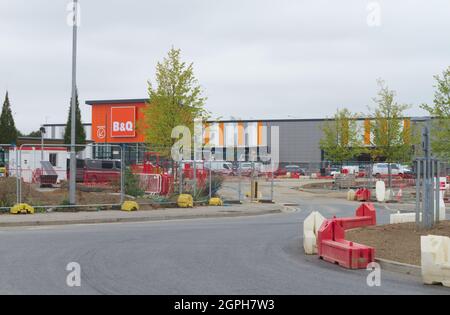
(53, 157)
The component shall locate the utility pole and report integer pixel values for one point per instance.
(42, 130)
(73, 161)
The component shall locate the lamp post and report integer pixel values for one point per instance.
(73, 162)
(42, 130)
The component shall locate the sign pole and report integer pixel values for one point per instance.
(73, 161)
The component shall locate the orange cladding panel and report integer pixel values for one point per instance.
(117, 123)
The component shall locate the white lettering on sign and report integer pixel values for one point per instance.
(121, 127)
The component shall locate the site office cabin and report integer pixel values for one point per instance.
(117, 121)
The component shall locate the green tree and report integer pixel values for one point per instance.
(176, 100)
(8, 131)
(391, 142)
(35, 134)
(80, 136)
(341, 137)
(440, 111)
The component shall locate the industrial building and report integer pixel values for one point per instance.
(114, 122)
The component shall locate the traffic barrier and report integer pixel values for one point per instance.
(215, 202)
(389, 196)
(363, 194)
(150, 183)
(185, 201)
(311, 226)
(366, 215)
(22, 208)
(130, 206)
(398, 217)
(435, 252)
(333, 247)
(351, 195)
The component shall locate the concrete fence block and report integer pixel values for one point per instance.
(311, 226)
(435, 251)
(398, 218)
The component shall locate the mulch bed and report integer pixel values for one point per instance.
(397, 242)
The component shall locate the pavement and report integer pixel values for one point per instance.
(112, 216)
(241, 255)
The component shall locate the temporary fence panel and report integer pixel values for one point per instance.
(42, 175)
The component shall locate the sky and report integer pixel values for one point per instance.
(255, 59)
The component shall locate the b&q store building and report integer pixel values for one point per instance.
(115, 122)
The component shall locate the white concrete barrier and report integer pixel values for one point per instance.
(351, 195)
(435, 259)
(311, 226)
(398, 217)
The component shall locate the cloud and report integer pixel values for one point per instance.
(254, 58)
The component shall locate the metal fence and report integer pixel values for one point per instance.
(109, 174)
(38, 175)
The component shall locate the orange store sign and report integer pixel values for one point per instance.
(123, 122)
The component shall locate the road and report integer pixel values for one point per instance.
(251, 255)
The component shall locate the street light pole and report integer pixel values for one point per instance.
(73, 161)
(42, 130)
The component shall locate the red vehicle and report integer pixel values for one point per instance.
(280, 172)
(97, 171)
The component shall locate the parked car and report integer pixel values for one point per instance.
(220, 167)
(246, 168)
(97, 171)
(382, 169)
(334, 171)
(295, 169)
(281, 171)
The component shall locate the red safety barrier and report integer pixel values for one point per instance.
(333, 247)
(363, 194)
(365, 216)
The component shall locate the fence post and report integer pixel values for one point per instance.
(17, 176)
(437, 194)
(271, 183)
(122, 174)
(195, 177)
(181, 176)
(418, 177)
(19, 170)
(210, 179)
(240, 182)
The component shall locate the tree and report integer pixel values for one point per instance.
(392, 139)
(391, 142)
(341, 141)
(35, 134)
(440, 111)
(8, 131)
(176, 101)
(80, 136)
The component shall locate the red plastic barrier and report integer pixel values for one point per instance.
(333, 247)
(365, 216)
(363, 194)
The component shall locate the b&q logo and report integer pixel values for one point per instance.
(123, 122)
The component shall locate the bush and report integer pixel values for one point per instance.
(132, 185)
(8, 193)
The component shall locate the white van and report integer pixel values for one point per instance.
(381, 169)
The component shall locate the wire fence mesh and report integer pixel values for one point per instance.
(107, 175)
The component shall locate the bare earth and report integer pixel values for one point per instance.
(398, 242)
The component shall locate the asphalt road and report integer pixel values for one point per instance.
(251, 255)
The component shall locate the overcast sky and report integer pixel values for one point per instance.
(253, 58)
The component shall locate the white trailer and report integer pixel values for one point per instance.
(30, 162)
